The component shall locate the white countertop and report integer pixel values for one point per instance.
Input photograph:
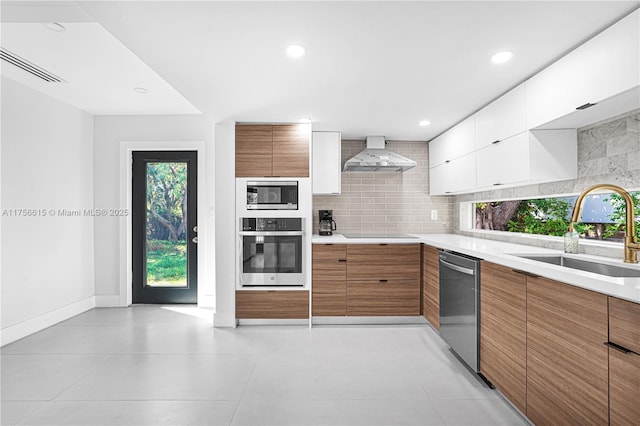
(502, 253)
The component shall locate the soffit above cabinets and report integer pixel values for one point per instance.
(98, 73)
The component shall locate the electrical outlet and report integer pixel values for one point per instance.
(434, 214)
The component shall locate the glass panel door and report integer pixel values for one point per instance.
(164, 223)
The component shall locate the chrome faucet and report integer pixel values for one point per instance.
(631, 245)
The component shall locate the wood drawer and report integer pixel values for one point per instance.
(624, 323)
(329, 297)
(383, 261)
(329, 252)
(280, 304)
(390, 298)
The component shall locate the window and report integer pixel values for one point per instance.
(603, 216)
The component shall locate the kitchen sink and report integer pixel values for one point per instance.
(585, 265)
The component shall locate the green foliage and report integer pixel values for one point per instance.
(547, 216)
(619, 214)
(583, 228)
(166, 191)
(166, 262)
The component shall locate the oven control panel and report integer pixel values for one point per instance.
(271, 224)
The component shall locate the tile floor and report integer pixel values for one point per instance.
(158, 365)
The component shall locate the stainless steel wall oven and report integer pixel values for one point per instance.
(272, 252)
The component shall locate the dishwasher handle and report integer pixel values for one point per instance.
(457, 268)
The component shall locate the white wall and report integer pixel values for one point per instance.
(47, 163)
(109, 133)
(225, 216)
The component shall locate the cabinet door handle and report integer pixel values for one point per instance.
(620, 348)
(528, 274)
(585, 106)
(447, 161)
(342, 260)
(383, 281)
(495, 142)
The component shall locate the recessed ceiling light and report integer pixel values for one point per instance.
(54, 26)
(295, 51)
(141, 90)
(424, 123)
(501, 57)
(304, 120)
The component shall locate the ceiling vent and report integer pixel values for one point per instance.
(29, 67)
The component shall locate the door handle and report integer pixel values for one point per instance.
(620, 348)
(457, 268)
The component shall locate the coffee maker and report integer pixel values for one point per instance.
(327, 224)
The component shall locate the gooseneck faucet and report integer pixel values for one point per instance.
(631, 245)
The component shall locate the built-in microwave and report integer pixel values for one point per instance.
(272, 195)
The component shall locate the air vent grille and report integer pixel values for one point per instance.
(29, 67)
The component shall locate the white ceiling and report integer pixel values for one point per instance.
(371, 67)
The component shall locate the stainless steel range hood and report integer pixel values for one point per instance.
(375, 158)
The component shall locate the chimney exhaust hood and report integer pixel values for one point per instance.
(375, 158)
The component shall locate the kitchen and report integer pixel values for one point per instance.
(409, 205)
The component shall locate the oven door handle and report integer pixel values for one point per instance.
(457, 268)
(271, 233)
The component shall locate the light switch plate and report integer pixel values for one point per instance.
(434, 214)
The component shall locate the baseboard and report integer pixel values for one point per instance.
(108, 301)
(224, 320)
(33, 325)
(391, 320)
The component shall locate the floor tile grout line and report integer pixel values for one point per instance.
(244, 389)
(83, 376)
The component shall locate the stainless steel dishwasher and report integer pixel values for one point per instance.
(460, 305)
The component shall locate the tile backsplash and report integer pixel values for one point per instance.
(387, 202)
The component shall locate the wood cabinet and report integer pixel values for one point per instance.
(280, 304)
(384, 297)
(501, 119)
(254, 150)
(431, 286)
(529, 157)
(606, 65)
(624, 362)
(329, 286)
(458, 175)
(383, 279)
(327, 163)
(291, 150)
(265, 150)
(567, 374)
(503, 331)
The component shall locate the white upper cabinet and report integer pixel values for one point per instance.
(456, 142)
(605, 66)
(456, 176)
(501, 119)
(326, 163)
(528, 157)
